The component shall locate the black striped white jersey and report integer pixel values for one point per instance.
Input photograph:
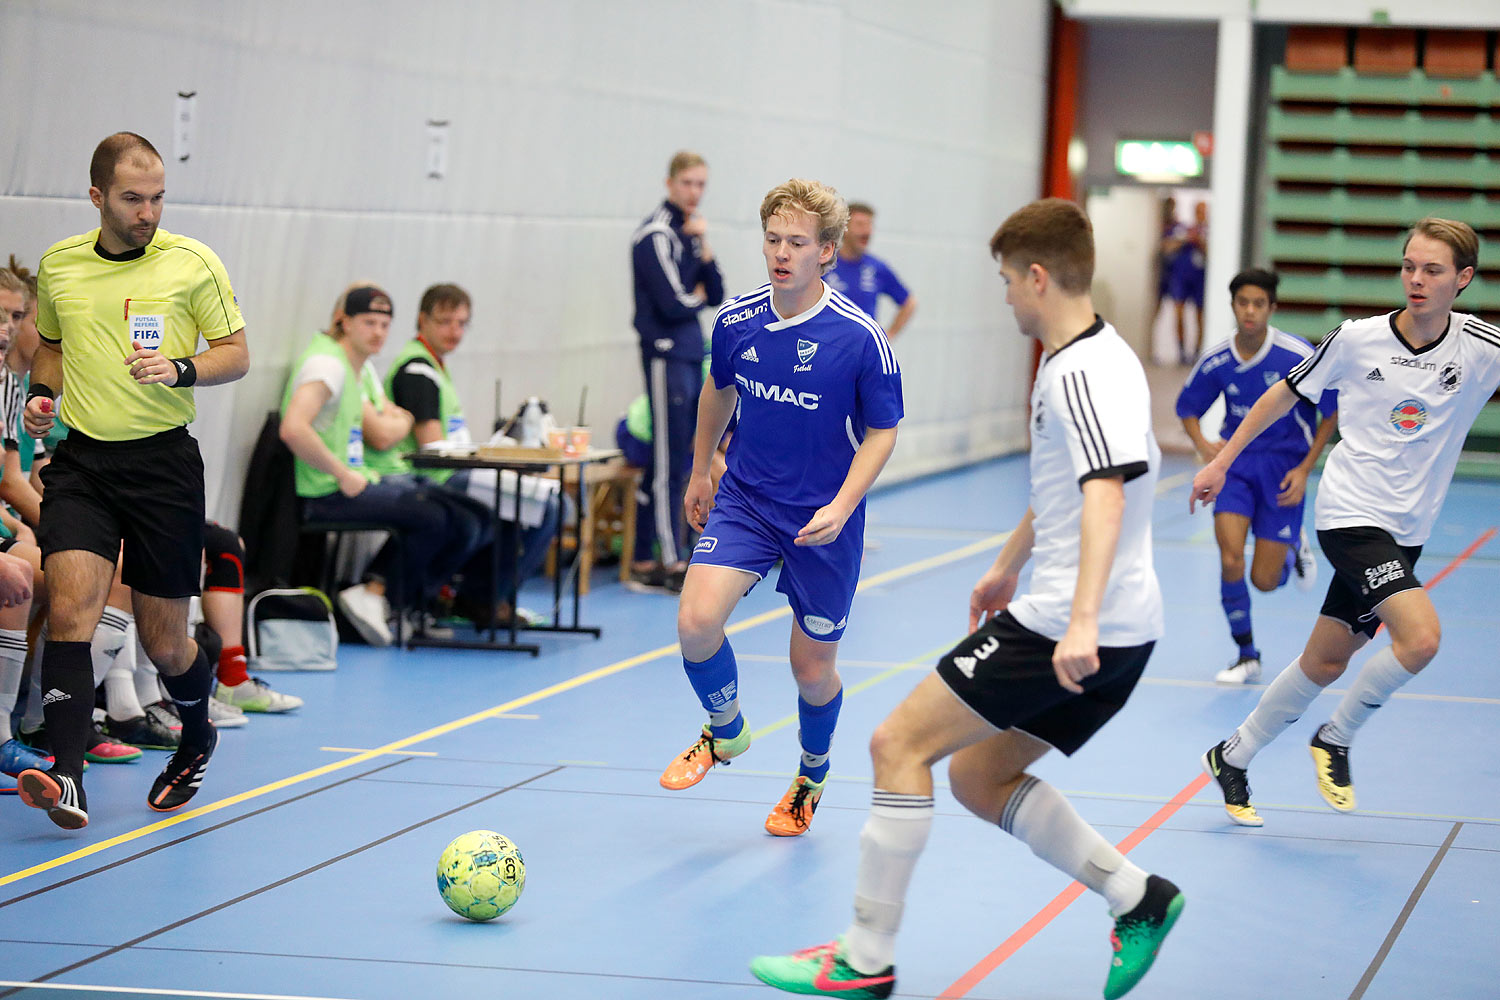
(1091, 417)
(1403, 415)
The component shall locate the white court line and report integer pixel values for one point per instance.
(162, 993)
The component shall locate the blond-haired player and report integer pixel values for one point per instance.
(818, 393)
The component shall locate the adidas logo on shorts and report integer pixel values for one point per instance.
(750, 354)
(965, 665)
(1374, 376)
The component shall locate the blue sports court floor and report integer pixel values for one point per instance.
(306, 866)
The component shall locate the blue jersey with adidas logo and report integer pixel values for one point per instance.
(1241, 381)
(809, 387)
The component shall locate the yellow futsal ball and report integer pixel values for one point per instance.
(481, 875)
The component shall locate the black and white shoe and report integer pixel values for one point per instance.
(60, 794)
(1234, 782)
(179, 780)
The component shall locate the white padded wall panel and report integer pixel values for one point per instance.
(308, 170)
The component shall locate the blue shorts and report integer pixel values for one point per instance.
(818, 580)
(1250, 490)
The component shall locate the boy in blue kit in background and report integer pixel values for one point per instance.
(818, 395)
(675, 277)
(1266, 487)
(863, 277)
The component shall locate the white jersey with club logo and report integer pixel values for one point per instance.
(1403, 415)
(1091, 418)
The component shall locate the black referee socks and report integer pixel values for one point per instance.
(68, 702)
(190, 691)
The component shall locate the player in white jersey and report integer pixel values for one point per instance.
(818, 393)
(1047, 669)
(1410, 384)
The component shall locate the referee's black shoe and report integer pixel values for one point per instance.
(61, 795)
(180, 779)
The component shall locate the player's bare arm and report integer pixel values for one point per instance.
(826, 523)
(1269, 408)
(997, 586)
(1294, 484)
(1077, 654)
(226, 360)
(715, 407)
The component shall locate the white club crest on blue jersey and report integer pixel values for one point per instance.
(805, 350)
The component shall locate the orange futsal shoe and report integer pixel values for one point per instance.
(793, 814)
(687, 769)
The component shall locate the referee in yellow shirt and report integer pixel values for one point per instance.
(120, 310)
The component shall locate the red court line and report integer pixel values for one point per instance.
(1462, 557)
(1064, 899)
(1032, 927)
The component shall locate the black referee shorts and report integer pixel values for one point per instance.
(1368, 567)
(1004, 673)
(147, 493)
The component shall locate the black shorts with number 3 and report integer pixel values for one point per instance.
(146, 493)
(1004, 673)
(1368, 567)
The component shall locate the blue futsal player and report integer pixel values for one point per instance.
(1266, 486)
(818, 393)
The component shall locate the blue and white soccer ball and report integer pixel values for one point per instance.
(481, 875)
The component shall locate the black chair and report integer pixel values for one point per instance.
(281, 547)
(334, 533)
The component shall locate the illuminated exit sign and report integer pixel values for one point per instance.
(1158, 160)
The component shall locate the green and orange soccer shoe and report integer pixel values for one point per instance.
(822, 970)
(1135, 940)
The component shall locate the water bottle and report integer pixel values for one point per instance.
(531, 424)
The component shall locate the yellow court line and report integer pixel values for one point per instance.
(400, 753)
(619, 666)
(897, 573)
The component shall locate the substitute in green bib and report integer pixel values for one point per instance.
(323, 422)
(419, 381)
(120, 312)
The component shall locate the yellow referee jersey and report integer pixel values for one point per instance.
(95, 307)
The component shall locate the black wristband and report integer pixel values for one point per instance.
(187, 372)
(40, 389)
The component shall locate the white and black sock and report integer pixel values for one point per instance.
(1283, 703)
(889, 845)
(110, 636)
(1378, 679)
(1040, 817)
(148, 689)
(120, 697)
(12, 665)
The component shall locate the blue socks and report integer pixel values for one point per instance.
(716, 681)
(816, 723)
(1235, 596)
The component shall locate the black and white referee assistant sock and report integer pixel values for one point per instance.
(12, 666)
(68, 702)
(190, 690)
